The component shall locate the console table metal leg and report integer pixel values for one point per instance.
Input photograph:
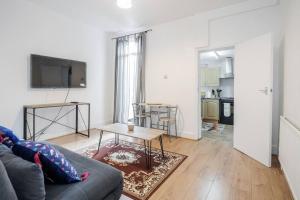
(161, 146)
(89, 119)
(76, 119)
(101, 134)
(25, 123)
(33, 124)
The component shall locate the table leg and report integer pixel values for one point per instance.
(117, 138)
(33, 124)
(89, 119)
(101, 133)
(150, 118)
(25, 123)
(161, 146)
(146, 154)
(150, 154)
(76, 119)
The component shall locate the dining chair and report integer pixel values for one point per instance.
(139, 114)
(167, 118)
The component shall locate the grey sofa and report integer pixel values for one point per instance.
(104, 181)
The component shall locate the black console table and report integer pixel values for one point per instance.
(33, 108)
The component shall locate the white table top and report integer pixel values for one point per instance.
(138, 132)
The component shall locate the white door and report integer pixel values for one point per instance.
(253, 98)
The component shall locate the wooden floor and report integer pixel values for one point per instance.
(213, 170)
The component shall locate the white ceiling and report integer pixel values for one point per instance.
(106, 14)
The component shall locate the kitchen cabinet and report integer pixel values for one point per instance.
(210, 109)
(202, 76)
(226, 70)
(210, 77)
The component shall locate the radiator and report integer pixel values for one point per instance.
(289, 154)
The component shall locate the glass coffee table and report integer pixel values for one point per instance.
(145, 134)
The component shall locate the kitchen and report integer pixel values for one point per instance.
(217, 93)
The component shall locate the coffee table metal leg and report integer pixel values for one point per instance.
(101, 133)
(150, 152)
(161, 146)
(117, 139)
(146, 154)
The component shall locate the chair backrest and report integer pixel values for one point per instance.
(136, 109)
(173, 111)
(168, 111)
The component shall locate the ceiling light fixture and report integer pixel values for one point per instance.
(125, 4)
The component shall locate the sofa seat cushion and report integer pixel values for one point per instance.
(102, 182)
(27, 178)
(54, 164)
(6, 189)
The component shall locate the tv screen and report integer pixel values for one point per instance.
(48, 72)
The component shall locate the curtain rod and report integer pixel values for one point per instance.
(132, 34)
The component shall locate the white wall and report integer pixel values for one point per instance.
(289, 130)
(292, 62)
(172, 50)
(27, 28)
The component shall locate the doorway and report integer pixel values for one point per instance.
(252, 107)
(216, 83)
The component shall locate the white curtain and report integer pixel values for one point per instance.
(129, 75)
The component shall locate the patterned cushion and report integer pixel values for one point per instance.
(7, 137)
(54, 164)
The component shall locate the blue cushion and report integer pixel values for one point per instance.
(9, 134)
(54, 164)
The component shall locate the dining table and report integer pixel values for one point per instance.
(154, 109)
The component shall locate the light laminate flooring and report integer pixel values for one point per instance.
(213, 170)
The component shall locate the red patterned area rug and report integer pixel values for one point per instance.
(139, 182)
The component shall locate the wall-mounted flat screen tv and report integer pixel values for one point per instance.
(49, 72)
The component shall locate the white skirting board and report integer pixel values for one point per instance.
(289, 154)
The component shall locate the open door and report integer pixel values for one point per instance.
(253, 98)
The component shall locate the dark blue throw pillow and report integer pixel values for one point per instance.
(9, 138)
(54, 164)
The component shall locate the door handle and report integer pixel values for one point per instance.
(265, 91)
